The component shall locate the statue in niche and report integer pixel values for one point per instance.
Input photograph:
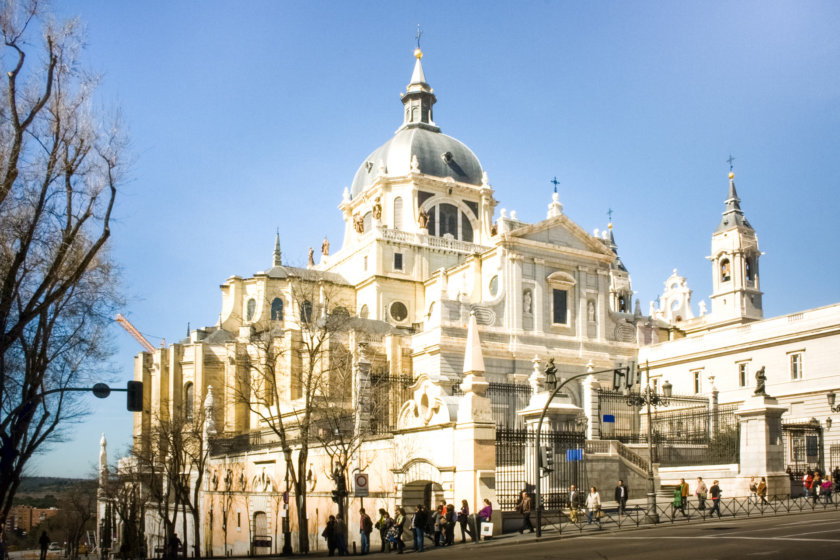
(423, 219)
(377, 209)
(526, 301)
(359, 223)
(494, 230)
(590, 308)
(550, 375)
(325, 247)
(311, 257)
(760, 382)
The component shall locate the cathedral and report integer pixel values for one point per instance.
(418, 352)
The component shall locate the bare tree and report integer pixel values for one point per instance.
(288, 377)
(59, 171)
(125, 492)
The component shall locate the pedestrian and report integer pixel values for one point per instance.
(575, 501)
(438, 524)
(835, 476)
(383, 525)
(399, 525)
(341, 535)
(701, 491)
(827, 486)
(450, 524)
(485, 515)
(3, 540)
(174, 546)
(816, 486)
(365, 529)
(463, 521)
(761, 490)
(593, 506)
(524, 508)
(418, 525)
(715, 493)
(753, 491)
(621, 495)
(684, 492)
(329, 535)
(807, 479)
(44, 541)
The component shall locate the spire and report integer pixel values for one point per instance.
(103, 463)
(278, 255)
(418, 98)
(611, 242)
(733, 216)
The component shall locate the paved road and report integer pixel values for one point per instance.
(808, 536)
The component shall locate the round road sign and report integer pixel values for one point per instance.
(101, 390)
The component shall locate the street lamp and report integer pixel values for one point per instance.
(649, 398)
(287, 531)
(831, 399)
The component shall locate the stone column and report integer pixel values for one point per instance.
(762, 452)
(590, 407)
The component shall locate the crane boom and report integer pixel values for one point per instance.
(126, 324)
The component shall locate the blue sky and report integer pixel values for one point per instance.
(250, 116)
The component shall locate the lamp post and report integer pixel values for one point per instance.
(287, 531)
(589, 371)
(650, 399)
(832, 398)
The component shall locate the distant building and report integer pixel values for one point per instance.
(25, 518)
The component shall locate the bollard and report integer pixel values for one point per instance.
(354, 548)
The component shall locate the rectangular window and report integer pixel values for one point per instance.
(398, 261)
(796, 366)
(743, 374)
(365, 263)
(697, 383)
(559, 316)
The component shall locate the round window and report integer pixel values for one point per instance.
(494, 286)
(399, 311)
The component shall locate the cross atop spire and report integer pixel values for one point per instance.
(418, 35)
(731, 162)
(555, 182)
(609, 214)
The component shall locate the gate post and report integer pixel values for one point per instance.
(761, 449)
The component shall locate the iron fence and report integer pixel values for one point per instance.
(388, 393)
(505, 400)
(516, 463)
(626, 423)
(697, 436)
(803, 442)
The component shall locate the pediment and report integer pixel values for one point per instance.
(562, 232)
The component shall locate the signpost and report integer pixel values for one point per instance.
(361, 485)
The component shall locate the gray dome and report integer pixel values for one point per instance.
(437, 154)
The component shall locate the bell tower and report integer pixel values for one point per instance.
(736, 293)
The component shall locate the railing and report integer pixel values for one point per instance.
(505, 400)
(613, 447)
(693, 512)
(429, 241)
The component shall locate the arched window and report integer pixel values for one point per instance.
(306, 311)
(398, 211)
(250, 309)
(750, 270)
(447, 219)
(363, 312)
(725, 270)
(277, 309)
(189, 401)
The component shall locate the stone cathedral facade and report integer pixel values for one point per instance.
(438, 297)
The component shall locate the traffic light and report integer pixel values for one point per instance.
(631, 375)
(335, 496)
(618, 375)
(134, 396)
(546, 458)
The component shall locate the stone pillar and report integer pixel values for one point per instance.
(475, 431)
(362, 393)
(590, 407)
(762, 451)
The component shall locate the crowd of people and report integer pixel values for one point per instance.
(438, 525)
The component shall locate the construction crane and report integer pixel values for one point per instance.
(126, 324)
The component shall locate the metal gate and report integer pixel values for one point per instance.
(803, 443)
(516, 463)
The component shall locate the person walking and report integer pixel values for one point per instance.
(816, 486)
(399, 525)
(593, 506)
(44, 542)
(753, 499)
(621, 495)
(761, 490)
(329, 535)
(701, 491)
(341, 535)
(524, 508)
(715, 493)
(575, 502)
(174, 546)
(365, 529)
(684, 492)
(826, 489)
(485, 515)
(450, 524)
(464, 520)
(383, 526)
(418, 526)
(807, 479)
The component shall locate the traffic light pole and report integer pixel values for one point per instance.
(539, 430)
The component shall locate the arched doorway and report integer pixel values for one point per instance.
(423, 492)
